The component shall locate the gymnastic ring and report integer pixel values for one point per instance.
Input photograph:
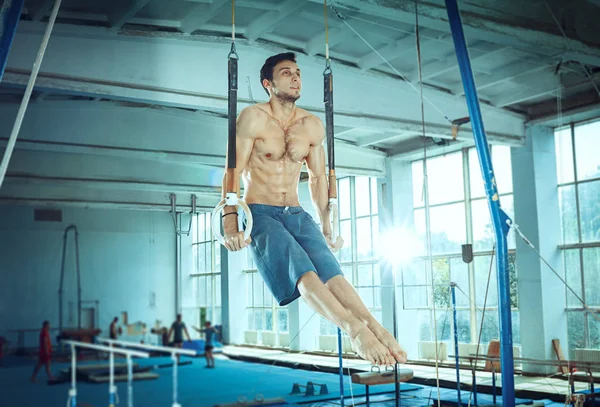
(335, 226)
(373, 368)
(230, 200)
(242, 400)
(392, 368)
(259, 397)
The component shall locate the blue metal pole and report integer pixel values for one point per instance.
(456, 356)
(10, 12)
(498, 216)
(341, 367)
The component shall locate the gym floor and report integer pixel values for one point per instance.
(233, 380)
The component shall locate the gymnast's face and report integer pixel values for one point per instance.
(286, 84)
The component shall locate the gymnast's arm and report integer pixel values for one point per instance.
(245, 136)
(317, 180)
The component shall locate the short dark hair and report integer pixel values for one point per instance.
(46, 323)
(266, 72)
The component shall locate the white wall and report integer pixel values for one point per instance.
(126, 258)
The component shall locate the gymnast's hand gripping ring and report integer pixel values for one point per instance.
(231, 199)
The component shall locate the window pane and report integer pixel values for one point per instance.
(202, 297)
(441, 275)
(491, 327)
(268, 320)
(209, 290)
(258, 291)
(363, 239)
(375, 226)
(575, 323)
(587, 137)
(594, 328)
(346, 233)
(362, 194)
(268, 297)
(415, 273)
(417, 177)
(476, 181)
(282, 320)
(195, 258)
(365, 275)
(483, 232)
(258, 319)
(502, 168)
(463, 320)
(217, 258)
(420, 226)
(202, 227)
(445, 178)
(425, 330)
(444, 325)
(482, 270)
(344, 198)
(572, 266)
(195, 228)
(459, 273)
(589, 208)
(591, 275)
(376, 275)
(564, 156)
(415, 297)
(374, 191)
(447, 228)
(217, 291)
(568, 214)
(249, 300)
(250, 314)
(201, 257)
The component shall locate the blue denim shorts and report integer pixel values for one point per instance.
(287, 243)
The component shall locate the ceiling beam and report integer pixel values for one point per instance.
(504, 74)
(434, 16)
(125, 12)
(450, 64)
(200, 15)
(381, 137)
(544, 86)
(267, 21)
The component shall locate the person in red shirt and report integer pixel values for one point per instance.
(45, 354)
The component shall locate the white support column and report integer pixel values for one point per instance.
(541, 294)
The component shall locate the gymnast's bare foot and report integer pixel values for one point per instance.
(369, 348)
(388, 340)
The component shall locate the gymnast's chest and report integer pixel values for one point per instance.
(292, 144)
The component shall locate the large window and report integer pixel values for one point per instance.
(457, 213)
(578, 172)
(202, 299)
(264, 314)
(359, 227)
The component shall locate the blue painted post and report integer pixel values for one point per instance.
(10, 13)
(341, 367)
(498, 216)
(456, 356)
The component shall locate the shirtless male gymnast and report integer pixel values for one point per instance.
(273, 140)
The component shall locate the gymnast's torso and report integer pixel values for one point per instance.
(275, 153)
